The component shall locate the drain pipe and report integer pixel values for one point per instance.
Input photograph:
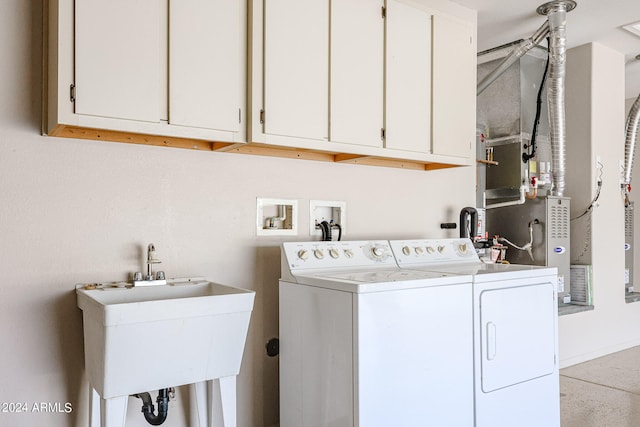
(148, 408)
(523, 47)
(556, 12)
(633, 123)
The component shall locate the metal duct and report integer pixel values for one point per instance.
(633, 122)
(556, 12)
(523, 47)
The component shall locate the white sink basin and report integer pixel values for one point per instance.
(140, 339)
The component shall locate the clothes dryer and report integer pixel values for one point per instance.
(516, 379)
(364, 343)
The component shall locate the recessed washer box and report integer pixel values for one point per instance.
(276, 217)
(326, 210)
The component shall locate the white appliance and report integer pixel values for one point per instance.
(516, 379)
(363, 343)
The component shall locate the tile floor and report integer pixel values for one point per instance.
(603, 392)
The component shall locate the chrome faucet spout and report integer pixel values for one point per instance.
(149, 279)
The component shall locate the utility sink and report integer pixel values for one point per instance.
(139, 339)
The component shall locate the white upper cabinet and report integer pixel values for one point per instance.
(359, 81)
(119, 53)
(171, 68)
(205, 62)
(454, 83)
(357, 67)
(296, 68)
(408, 77)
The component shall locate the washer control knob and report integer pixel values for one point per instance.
(318, 253)
(406, 250)
(430, 249)
(462, 248)
(303, 254)
(441, 249)
(377, 252)
(334, 253)
(419, 250)
(348, 253)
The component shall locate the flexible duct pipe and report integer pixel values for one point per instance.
(633, 122)
(556, 12)
(523, 47)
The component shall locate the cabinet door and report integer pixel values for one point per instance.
(454, 80)
(357, 66)
(296, 68)
(408, 78)
(120, 55)
(205, 62)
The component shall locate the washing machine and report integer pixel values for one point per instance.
(515, 324)
(364, 343)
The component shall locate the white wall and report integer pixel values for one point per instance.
(595, 128)
(81, 211)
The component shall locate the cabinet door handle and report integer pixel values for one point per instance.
(491, 341)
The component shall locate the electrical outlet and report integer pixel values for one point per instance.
(334, 212)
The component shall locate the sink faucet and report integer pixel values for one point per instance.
(149, 279)
(151, 259)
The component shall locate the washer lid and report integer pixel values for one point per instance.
(378, 280)
(378, 276)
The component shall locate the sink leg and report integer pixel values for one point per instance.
(224, 394)
(216, 402)
(114, 411)
(200, 391)
(94, 408)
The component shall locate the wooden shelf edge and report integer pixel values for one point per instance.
(129, 138)
(259, 149)
(488, 162)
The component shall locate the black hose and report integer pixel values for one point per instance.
(323, 231)
(148, 409)
(327, 230)
(526, 157)
(336, 225)
(468, 223)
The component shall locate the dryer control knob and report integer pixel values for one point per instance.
(430, 249)
(441, 249)
(406, 250)
(303, 254)
(419, 250)
(462, 248)
(348, 253)
(334, 253)
(318, 253)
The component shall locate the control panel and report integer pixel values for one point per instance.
(433, 251)
(337, 254)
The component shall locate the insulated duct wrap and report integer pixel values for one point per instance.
(633, 122)
(555, 95)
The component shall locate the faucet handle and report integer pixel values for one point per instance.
(137, 276)
(160, 275)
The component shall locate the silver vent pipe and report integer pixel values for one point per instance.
(555, 28)
(523, 47)
(556, 12)
(633, 123)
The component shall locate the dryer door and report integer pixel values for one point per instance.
(517, 334)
